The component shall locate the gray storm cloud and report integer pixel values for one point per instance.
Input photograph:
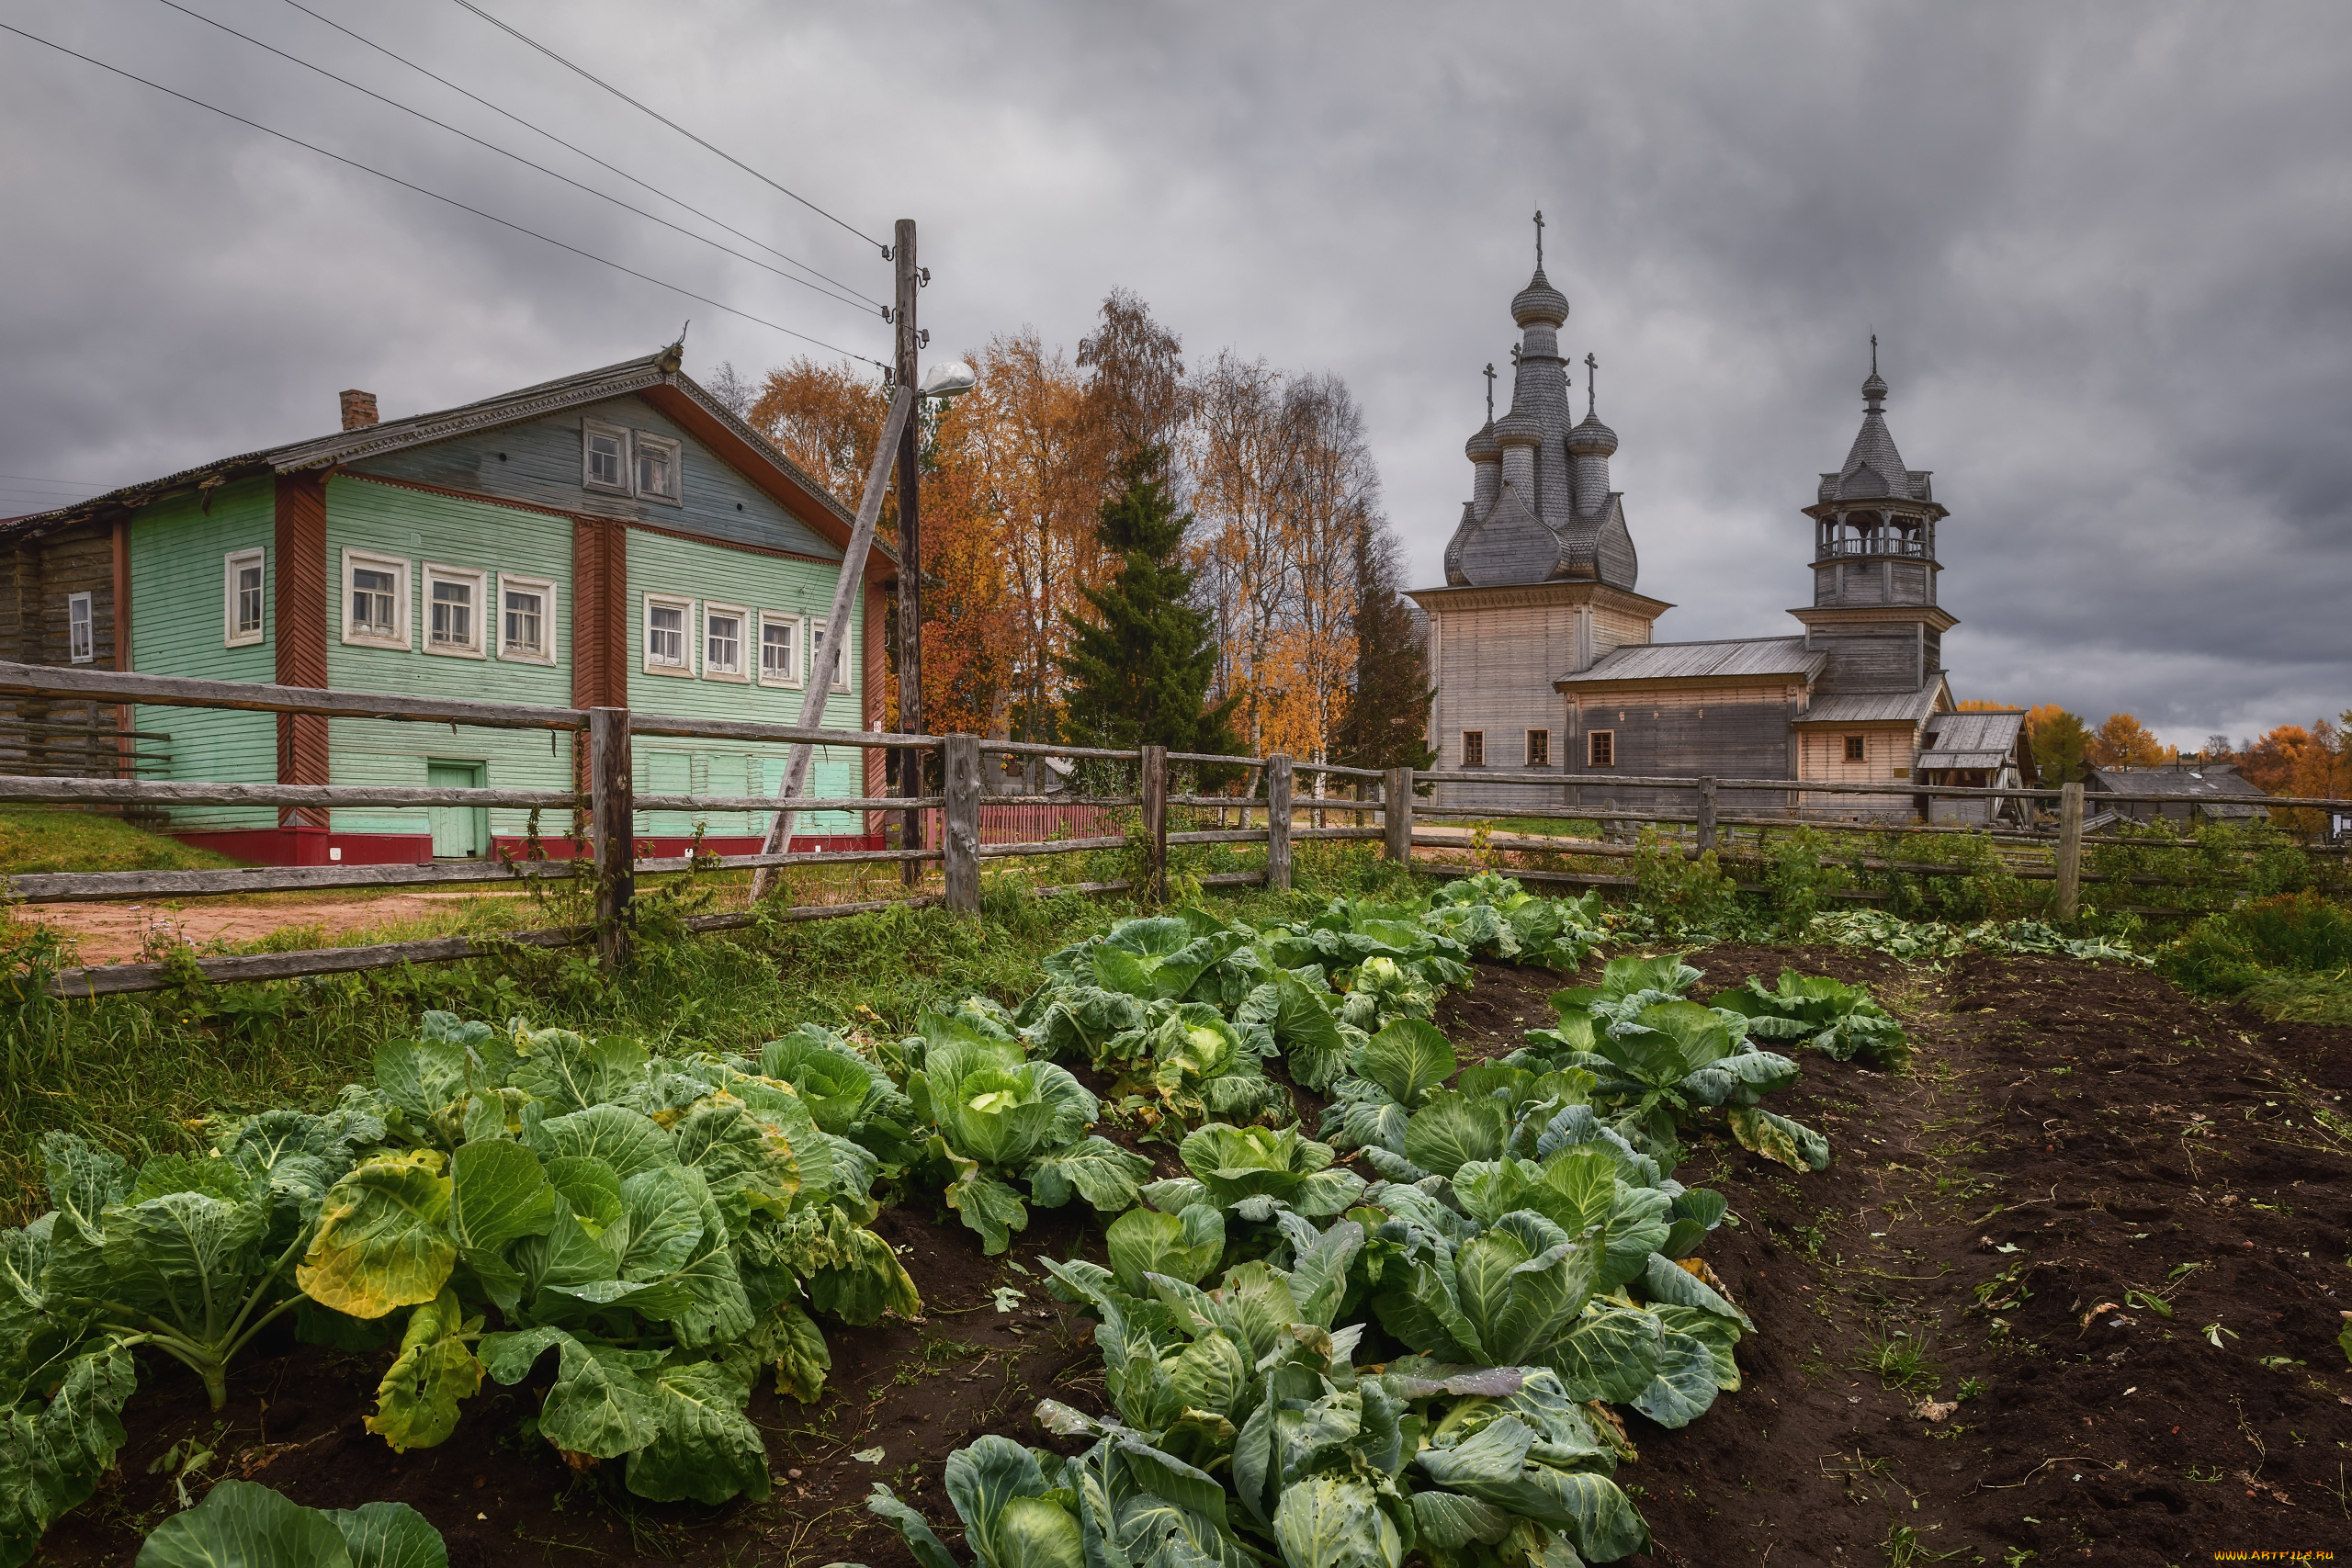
(2105, 250)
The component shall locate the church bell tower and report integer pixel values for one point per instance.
(1874, 566)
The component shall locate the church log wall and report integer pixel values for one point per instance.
(1689, 732)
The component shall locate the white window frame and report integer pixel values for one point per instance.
(1592, 747)
(81, 630)
(544, 588)
(234, 562)
(638, 442)
(688, 626)
(352, 561)
(743, 622)
(588, 480)
(845, 660)
(472, 578)
(800, 625)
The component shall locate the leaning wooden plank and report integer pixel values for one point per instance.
(180, 690)
(119, 979)
(96, 886)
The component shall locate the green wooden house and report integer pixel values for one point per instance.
(615, 537)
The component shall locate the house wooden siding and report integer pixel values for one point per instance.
(543, 464)
(704, 573)
(179, 627)
(422, 527)
(42, 577)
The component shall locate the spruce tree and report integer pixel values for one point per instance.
(1139, 669)
(1388, 710)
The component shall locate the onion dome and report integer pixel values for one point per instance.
(1592, 438)
(1539, 301)
(1518, 428)
(1483, 447)
(1875, 390)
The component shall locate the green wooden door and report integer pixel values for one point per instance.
(459, 832)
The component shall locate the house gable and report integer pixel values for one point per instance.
(539, 461)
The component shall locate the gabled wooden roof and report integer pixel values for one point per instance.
(655, 376)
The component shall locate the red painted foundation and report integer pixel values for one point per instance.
(320, 846)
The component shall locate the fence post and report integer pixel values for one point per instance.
(1396, 813)
(960, 835)
(1278, 822)
(1153, 767)
(1706, 815)
(2070, 851)
(613, 821)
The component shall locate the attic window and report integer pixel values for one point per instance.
(604, 456)
(656, 468)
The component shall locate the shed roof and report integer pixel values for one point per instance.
(2188, 782)
(1752, 657)
(1872, 707)
(657, 373)
(1978, 739)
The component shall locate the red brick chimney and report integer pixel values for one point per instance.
(358, 409)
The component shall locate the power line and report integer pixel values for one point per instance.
(517, 157)
(575, 148)
(69, 484)
(672, 124)
(448, 200)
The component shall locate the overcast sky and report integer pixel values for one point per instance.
(2107, 249)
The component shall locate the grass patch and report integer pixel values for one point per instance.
(138, 1074)
(57, 839)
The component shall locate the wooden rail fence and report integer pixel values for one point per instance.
(1270, 808)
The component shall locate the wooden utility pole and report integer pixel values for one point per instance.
(910, 279)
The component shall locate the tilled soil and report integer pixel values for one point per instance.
(2114, 1136)
(2085, 1181)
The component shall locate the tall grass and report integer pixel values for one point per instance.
(138, 1074)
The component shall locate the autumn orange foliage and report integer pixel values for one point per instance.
(2124, 742)
(1275, 467)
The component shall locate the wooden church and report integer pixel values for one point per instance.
(1542, 649)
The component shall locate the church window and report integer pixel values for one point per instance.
(1857, 748)
(1600, 748)
(1474, 748)
(1539, 748)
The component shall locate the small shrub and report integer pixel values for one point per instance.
(2231, 952)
